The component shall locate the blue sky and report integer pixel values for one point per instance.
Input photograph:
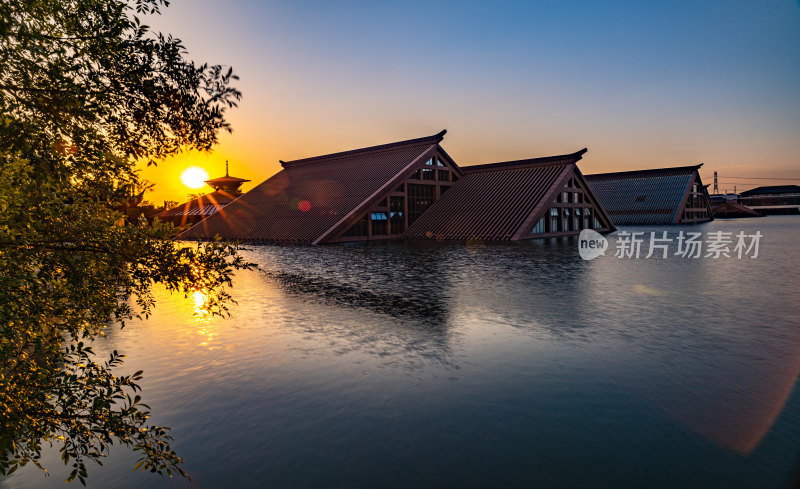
(641, 84)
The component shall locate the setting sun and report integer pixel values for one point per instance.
(194, 177)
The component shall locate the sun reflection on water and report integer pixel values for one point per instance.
(202, 316)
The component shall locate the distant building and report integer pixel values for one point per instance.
(720, 198)
(657, 196)
(389, 191)
(226, 190)
(779, 199)
(729, 209)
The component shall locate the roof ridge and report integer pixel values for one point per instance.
(540, 161)
(436, 138)
(647, 170)
(226, 178)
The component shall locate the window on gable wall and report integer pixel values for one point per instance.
(396, 217)
(539, 228)
(420, 197)
(380, 225)
(439, 162)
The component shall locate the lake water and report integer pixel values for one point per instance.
(479, 365)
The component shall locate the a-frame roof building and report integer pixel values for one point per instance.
(515, 200)
(409, 189)
(657, 196)
(348, 196)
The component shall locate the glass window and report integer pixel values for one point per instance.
(429, 162)
(397, 222)
(539, 228)
(596, 223)
(397, 203)
(420, 197)
(428, 174)
(415, 175)
(443, 175)
(565, 197)
(380, 226)
(565, 221)
(439, 162)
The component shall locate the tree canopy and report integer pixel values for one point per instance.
(86, 91)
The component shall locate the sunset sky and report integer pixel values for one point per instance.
(641, 84)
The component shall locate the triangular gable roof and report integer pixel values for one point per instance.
(496, 201)
(312, 198)
(733, 209)
(653, 196)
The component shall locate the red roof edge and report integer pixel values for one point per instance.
(451, 161)
(435, 139)
(546, 160)
(688, 168)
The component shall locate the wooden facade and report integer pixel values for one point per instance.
(407, 200)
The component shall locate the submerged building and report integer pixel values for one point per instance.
(730, 209)
(515, 200)
(657, 196)
(226, 190)
(775, 199)
(409, 189)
